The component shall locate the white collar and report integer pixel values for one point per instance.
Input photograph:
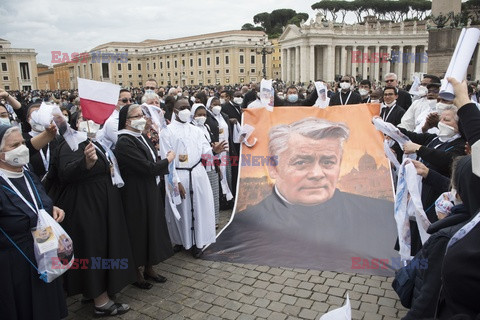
(280, 195)
(12, 174)
(129, 132)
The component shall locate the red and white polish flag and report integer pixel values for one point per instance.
(97, 99)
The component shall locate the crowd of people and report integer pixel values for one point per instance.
(139, 187)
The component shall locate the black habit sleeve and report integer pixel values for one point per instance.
(134, 160)
(470, 117)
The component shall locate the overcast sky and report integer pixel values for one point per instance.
(80, 25)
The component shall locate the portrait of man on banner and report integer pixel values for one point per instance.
(306, 220)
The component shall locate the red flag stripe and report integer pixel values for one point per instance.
(96, 111)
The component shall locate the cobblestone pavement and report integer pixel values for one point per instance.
(199, 289)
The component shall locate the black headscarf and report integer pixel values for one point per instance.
(467, 184)
(123, 115)
(3, 129)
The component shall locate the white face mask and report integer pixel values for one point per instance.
(363, 92)
(238, 100)
(201, 120)
(222, 101)
(216, 110)
(344, 85)
(179, 95)
(422, 91)
(36, 127)
(18, 157)
(5, 121)
(149, 91)
(445, 131)
(390, 104)
(184, 115)
(138, 124)
(89, 127)
(456, 200)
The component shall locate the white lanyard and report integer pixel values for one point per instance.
(20, 194)
(391, 109)
(45, 159)
(150, 149)
(369, 99)
(348, 98)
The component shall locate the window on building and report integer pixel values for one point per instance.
(119, 76)
(4, 67)
(5, 78)
(140, 83)
(91, 70)
(191, 73)
(191, 81)
(25, 71)
(161, 65)
(252, 70)
(148, 66)
(139, 67)
(208, 61)
(154, 65)
(105, 73)
(217, 61)
(191, 63)
(7, 87)
(252, 59)
(227, 59)
(209, 81)
(242, 59)
(199, 62)
(208, 71)
(183, 63)
(119, 67)
(129, 67)
(3, 57)
(175, 64)
(227, 71)
(168, 64)
(130, 76)
(242, 70)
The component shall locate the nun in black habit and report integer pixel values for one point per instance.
(142, 201)
(23, 296)
(95, 223)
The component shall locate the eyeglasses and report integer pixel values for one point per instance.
(125, 100)
(390, 80)
(345, 81)
(136, 117)
(150, 88)
(388, 94)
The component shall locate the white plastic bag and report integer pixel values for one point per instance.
(53, 247)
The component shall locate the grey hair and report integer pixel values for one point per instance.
(313, 128)
(5, 136)
(150, 96)
(131, 108)
(391, 74)
(171, 90)
(453, 108)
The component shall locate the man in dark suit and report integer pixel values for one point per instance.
(345, 95)
(404, 98)
(307, 222)
(390, 111)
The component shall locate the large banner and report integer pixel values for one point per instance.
(314, 192)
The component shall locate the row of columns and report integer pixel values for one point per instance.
(305, 63)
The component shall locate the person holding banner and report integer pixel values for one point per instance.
(460, 277)
(95, 222)
(23, 295)
(142, 198)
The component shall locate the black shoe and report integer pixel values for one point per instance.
(115, 310)
(177, 248)
(196, 252)
(158, 278)
(143, 285)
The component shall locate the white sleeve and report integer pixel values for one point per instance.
(476, 158)
(408, 119)
(165, 146)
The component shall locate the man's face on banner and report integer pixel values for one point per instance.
(308, 170)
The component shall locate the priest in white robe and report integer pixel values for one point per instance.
(189, 144)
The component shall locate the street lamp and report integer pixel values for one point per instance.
(264, 48)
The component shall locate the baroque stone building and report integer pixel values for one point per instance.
(18, 67)
(325, 50)
(227, 57)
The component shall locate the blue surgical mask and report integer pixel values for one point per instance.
(5, 121)
(292, 97)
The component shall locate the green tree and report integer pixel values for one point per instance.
(249, 26)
